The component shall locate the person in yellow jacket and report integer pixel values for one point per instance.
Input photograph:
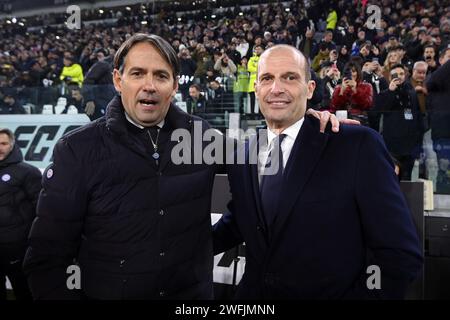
(240, 89)
(252, 67)
(72, 73)
(332, 19)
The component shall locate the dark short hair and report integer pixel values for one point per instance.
(196, 86)
(366, 44)
(429, 46)
(357, 67)
(9, 133)
(74, 88)
(102, 50)
(164, 48)
(323, 46)
(398, 65)
(69, 57)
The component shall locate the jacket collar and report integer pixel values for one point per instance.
(15, 156)
(117, 123)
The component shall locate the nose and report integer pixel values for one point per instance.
(277, 87)
(149, 85)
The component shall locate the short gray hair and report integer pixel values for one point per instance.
(420, 63)
(307, 67)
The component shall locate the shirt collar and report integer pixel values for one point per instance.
(160, 125)
(291, 131)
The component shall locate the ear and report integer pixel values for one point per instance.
(256, 88)
(310, 89)
(117, 79)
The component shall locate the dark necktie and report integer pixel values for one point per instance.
(272, 181)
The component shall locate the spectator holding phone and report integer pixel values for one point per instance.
(329, 75)
(372, 74)
(353, 94)
(402, 122)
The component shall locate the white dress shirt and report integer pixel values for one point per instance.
(286, 146)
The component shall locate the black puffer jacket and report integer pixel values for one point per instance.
(20, 184)
(137, 231)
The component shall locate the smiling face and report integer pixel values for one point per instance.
(281, 87)
(146, 83)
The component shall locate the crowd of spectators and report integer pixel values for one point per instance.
(386, 75)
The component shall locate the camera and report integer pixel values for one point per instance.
(394, 75)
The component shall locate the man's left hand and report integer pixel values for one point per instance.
(326, 116)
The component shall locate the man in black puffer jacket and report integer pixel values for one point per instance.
(20, 184)
(114, 203)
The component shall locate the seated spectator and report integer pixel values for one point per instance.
(215, 94)
(72, 73)
(353, 94)
(196, 102)
(76, 99)
(10, 105)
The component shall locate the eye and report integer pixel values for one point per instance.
(291, 77)
(163, 76)
(136, 73)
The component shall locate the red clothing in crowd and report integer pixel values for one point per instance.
(355, 102)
